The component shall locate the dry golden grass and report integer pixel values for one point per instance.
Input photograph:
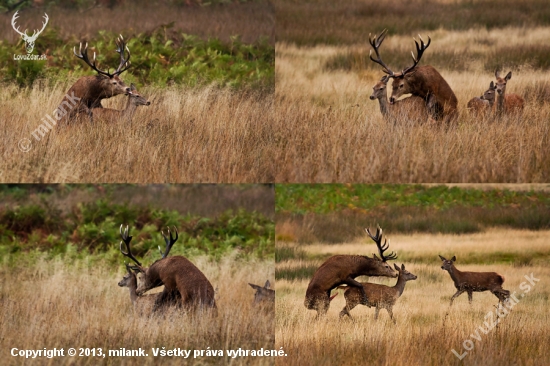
(185, 135)
(56, 304)
(331, 132)
(427, 329)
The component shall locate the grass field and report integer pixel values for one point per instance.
(62, 305)
(202, 134)
(427, 330)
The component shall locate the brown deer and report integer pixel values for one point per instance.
(114, 115)
(88, 91)
(263, 294)
(483, 106)
(412, 108)
(176, 273)
(144, 305)
(378, 296)
(475, 281)
(507, 103)
(423, 81)
(343, 269)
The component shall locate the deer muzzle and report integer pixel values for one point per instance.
(392, 100)
(372, 97)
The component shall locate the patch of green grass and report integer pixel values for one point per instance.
(283, 253)
(298, 273)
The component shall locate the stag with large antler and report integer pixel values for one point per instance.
(343, 269)
(421, 81)
(88, 91)
(29, 40)
(176, 273)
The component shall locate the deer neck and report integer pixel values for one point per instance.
(133, 288)
(455, 274)
(400, 285)
(130, 109)
(384, 105)
(500, 102)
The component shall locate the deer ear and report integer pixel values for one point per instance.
(375, 257)
(497, 74)
(508, 76)
(492, 85)
(255, 287)
(132, 87)
(402, 267)
(395, 266)
(267, 284)
(453, 258)
(442, 258)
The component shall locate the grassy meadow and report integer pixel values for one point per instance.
(503, 229)
(427, 329)
(208, 72)
(60, 264)
(329, 131)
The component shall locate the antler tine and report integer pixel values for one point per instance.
(126, 239)
(169, 241)
(121, 46)
(377, 238)
(376, 42)
(84, 57)
(420, 48)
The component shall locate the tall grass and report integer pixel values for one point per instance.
(427, 329)
(186, 135)
(62, 305)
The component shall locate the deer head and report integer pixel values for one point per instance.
(501, 82)
(29, 40)
(263, 294)
(379, 89)
(113, 84)
(447, 264)
(403, 273)
(489, 94)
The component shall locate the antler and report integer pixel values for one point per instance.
(419, 51)
(84, 57)
(37, 32)
(13, 19)
(376, 42)
(169, 242)
(126, 239)
(121, 46)
(381, 247)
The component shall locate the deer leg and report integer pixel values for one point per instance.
(470, 297)
(161, 300)
(376, 311)
(390, 311)
(458, 293)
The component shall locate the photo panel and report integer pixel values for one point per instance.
(115, 91)
(412, 274)
(137, 274)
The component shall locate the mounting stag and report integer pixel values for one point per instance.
(483, 106)
(422, 81)
(143, 305)
(507, 103)
(378, 296)
(114, 115)
(88, 91)
(176, 273)
(263, 294)
(412, 108)
(475, 281)
(343, 269)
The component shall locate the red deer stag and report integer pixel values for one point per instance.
(378, 296)
(263, 294)
(343, 269)
(143, 305)
(115, 115)
(475, 281)
(412, 108)
(423, 81)
(483, 106)
(507, 103)
(176, 273)
(88, 91)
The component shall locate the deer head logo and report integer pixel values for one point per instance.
(29, 40)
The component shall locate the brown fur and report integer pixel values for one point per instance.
(263, 294)
(474, 281)
(115, 115)
(427, 83)
(413, 108)
(378, 296)
(507, 103)
(178, 273)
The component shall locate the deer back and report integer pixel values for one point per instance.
(513, 103)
